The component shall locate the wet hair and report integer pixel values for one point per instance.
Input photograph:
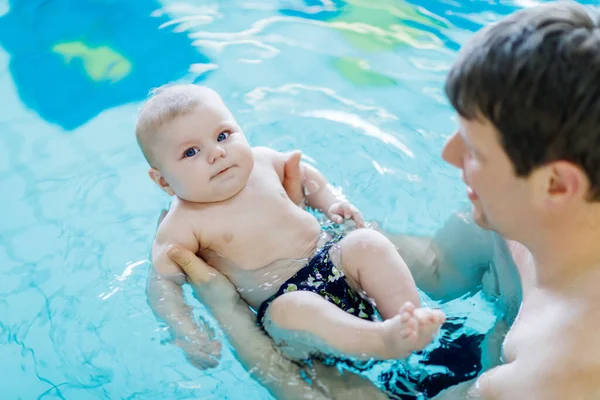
(535, 75)
(165, 104)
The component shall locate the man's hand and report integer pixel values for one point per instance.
(203, 351)
(293, 177)
(212, 287)
(344, 210)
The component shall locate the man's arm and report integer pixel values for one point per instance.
(256, 351)
(537, 379)
(452, 262)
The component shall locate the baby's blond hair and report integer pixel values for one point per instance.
(166, 103)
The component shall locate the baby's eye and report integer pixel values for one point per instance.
(191, 152)
(222, 136)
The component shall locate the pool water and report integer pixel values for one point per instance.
(356, 84)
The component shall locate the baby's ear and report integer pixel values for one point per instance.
(157, 178)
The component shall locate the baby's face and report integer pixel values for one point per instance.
(203, 156)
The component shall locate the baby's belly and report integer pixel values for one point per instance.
(258, 283)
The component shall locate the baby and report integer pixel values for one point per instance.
(231, 209)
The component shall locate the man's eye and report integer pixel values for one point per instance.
(191, 152)
(222, 136)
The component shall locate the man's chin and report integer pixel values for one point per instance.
(480, 218)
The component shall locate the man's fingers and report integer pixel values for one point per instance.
(292, 177)
(201, 355)
(196, 269)
(180, 257)
(292, 164)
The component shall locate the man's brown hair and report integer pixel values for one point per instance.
(535, 75)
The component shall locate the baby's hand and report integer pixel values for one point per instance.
(344, 210)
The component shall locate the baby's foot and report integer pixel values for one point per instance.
(430, 322)
(411, 329)
(401, 333)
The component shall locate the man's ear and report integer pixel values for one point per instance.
(157, 177)
(565, 182)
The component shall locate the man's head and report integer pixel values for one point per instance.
(193, 144)
(527, 91)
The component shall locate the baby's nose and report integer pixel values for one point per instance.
(216, 153)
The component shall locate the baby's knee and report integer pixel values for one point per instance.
(366, 243)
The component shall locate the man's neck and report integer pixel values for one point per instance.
(564, 253)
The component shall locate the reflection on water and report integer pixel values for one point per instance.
(72, 59)
(375, 26)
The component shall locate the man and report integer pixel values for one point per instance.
(527, 91)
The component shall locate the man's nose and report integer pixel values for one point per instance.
(453, 151)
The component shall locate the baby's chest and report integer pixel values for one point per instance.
(257, 215)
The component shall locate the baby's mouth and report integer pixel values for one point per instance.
(222, 172)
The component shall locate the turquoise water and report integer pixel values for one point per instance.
(356, 85)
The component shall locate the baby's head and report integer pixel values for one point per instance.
(194, 146)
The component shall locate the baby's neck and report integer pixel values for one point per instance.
(206, 203)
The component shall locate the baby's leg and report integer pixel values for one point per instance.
(370, 260)
(303, 323)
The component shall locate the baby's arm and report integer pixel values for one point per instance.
(319, 193)
(166, 299)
